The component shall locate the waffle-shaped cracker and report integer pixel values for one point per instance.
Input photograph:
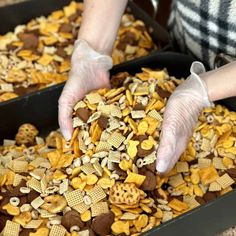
(225, 181)
(34, 184)
(218, 164)
(96, 194)
(99, 208)
(11, 229)
(17, 179)
(116, 139)
(103, 146)
(156, 115)
(81, 208)
(57, 230)
(214, 187)
(74, 198)
(88, 168)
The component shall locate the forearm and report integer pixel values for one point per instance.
(221, 83)
(100, 23)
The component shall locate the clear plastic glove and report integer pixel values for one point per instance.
(89, 71)
(180, 118)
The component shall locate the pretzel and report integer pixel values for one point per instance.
(26, 134)
(124, 193)
(28, 129)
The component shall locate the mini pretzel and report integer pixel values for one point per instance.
(124, 193)
(21, 138)
(54, 203)
(28, 129)
(26, 134)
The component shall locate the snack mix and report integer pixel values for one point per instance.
(37, 55)
(103, 181)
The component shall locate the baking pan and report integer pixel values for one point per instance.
(40, 109)
(21, 13)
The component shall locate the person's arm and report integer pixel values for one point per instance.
(91, 58)
(221, 83)
(184, 107)
(100, 23)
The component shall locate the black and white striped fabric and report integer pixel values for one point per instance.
(204, 28)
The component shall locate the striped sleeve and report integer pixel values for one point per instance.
(204, 28)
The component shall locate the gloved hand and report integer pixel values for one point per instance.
(89, 71)
(180, 118)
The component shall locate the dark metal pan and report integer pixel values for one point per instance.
(21, 13)
(40, 109)
(207, 220)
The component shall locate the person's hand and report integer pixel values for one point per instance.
(180, 118)
(89, 71)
